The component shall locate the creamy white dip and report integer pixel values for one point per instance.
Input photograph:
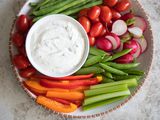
(57, 46)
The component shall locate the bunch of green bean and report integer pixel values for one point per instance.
(100, 62)
(67, 7)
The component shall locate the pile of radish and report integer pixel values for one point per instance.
(112, 30)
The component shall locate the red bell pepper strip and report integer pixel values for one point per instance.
(78, 77)
(66, 102)
(69, 85)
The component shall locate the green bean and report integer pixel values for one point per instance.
(33, 4)
(50, 4)
(93, 60)
(134, 72)
(107, 58)
(102, 103)
(120, 54)
(122, 66)
(112, 70)
(41, 4)
(98, 52)
(108, 74)
(89, 70)
(118, 78)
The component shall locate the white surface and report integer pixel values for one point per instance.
(145, 106)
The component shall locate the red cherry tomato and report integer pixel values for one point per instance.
(30, 23)
(94, 12)
(123, 5)
(20, 61)
(95, 20)
(110, 3)
(17, 39)
(96, 29)
(91, 40)
(106, 14)
(22, 50)
(28, 72)
(104, 31)
(22, 23)
(83, 12)
(84, 21)
(115, 14)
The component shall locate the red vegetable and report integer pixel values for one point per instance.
(104, 44)
(127, 16)
(131, 45)
(20, 61)
(83, 12)
(66, 102)
(91, 40)
(22, 23)
(22, 50)
(123, 5)
(110, 3)
(84, 21)
(125, 59)
(140, 22)
(28, 72)
(94, 12)
(95, 20)
(96, 29)
(115, 14)
(17, 39)
(106, 14)
(104, 31)
(143, 43)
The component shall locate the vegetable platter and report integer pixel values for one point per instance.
(119, 60)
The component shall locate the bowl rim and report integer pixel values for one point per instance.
(98, 114)
(66, 19)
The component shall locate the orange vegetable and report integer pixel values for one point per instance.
(80, 89)
(56, 106)
(66, 95)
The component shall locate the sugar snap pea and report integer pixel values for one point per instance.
(93, 60)
(98, 52)
(134, 72)
(122, 66)
(89, 70)
(108, 74)
(112, 70)
(107, 80)
(107, 58)
(118, 78)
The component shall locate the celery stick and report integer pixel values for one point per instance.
(111, 89)
(130, 82)
(102, 97)
(102, 103)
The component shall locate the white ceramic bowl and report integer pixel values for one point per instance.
(50, 19)
(145, 60)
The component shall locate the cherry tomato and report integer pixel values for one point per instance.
(95, 20)
(17, 39)
(30, 23)
(28, 72)
(123, 5)
(110, 3)
(22, 50)
(20, 61)
(83, 12)
(22, 23)
(104, 31)
(106, 14)
(115, 14)
(96, 29)
(85, 22)
(94, 12)
(91, 40)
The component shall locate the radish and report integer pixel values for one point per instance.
(126, 37)
(120, 48)
(138, 52)
(132, 44)
(104, 44)
(119, 27)
(127, 16)
(140, 22)
(114, 39)
(143, 43)
(128, 58)
(136, 31)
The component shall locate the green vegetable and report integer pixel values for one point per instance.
(93, 60)
(107, 58)
(98, 52)
(105, 102)
(33, 4)
(122, 66)
(51, 3)
(120, 54)
(130, 21)
(118, 78)
(107, 74)
(112, 70)
(134, 72)
(102, 97)
(107, 80)
(130, 82)
(105, 90)
(89, 70)
(41, 4)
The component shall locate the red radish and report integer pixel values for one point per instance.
(128, 58)
(114, 39)
(127, 16)
(120, 48)
(136, 32)
(115, 14)
(139, 51)
(143, 43)
(126, 36)
(140, 22)
(104, 44)
(131, 45)
(119, 27)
